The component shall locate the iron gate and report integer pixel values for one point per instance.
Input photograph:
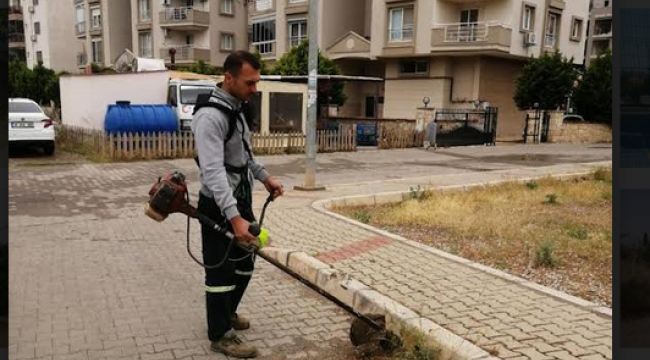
(459, 127)
(537, 126)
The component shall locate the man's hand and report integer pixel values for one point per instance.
(240, 228)
(274, 187)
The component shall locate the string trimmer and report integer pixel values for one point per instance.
(169, 195)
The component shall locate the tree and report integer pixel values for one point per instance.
(296, 62)
(40, 84)
(546, 80)
(201, 67)
(593, 97)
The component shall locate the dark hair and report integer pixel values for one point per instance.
(236, 60)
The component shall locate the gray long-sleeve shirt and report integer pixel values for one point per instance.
(210, 128)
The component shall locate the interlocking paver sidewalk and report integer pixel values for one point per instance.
(92, 278)
(496, 314)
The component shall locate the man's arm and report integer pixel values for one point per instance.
(210, 129)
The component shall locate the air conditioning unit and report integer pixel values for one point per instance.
(31, 8)
(33, 37)
(529, 39)
(166, 32)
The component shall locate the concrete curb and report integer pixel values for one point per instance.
(399, 319)
(323, 206)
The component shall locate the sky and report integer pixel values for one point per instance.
(635, 213)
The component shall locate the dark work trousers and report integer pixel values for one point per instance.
(225, 285)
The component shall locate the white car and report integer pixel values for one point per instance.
(29, 125)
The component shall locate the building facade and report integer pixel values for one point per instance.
(198, 30)
(48, 33)
(16, 31)
(599, 39)
(454, 52)
(102, 31)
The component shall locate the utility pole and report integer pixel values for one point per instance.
(312, 101)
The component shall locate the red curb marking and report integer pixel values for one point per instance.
(354, 249)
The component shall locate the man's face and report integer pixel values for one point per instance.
(243, 85)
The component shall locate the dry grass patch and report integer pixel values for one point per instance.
(556, 233)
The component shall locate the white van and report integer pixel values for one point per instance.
(182, 94)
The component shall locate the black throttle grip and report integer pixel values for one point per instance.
(254, 229)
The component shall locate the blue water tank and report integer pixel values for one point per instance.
(124, 117)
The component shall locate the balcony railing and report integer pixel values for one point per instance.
(185, 16)
(80, 28)
(472, 35)
(405, 33)
(145, 16)
(82, 59)
(550, 40)
(186, 53)
(467, 32)
(16, 38)
(15, 10)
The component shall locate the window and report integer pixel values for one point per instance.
(400, 27)
(146, 46)
(414, 67)
(79, 14)
(34, 2)
(606, 3)
(227, 42)
(145, 10)
(37, 28)
(39, 57)
(96, 16)
(528, 18)
(264, 36)
(576, 29)
(297, 32)
(226, 7)
(285, 112)
(296, 1)
(261, 5)
(468, 29)
(98, 51)
(551, 30)
(171, 96)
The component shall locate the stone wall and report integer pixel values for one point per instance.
(581, 133)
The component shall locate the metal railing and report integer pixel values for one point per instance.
(16, 38)
(82, 59)
(183, 52)
(550, 40)
(177, 14)
(80, 27)
(405, 33)
(467, 32)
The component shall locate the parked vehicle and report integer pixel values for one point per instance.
(182, 94)
(28, 125)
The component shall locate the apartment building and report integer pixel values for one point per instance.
(16, 31)
(455, 52)
(102, 30)
(195, 30)
(600, 29)
(48, 33)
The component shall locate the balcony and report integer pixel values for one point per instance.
(80, 28)
(16, 40)
(186, 19)
(185, 54)
(479, 36)
(15, 13)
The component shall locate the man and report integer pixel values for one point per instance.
(228, 170)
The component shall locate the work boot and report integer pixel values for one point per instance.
(239, 322)
(231, 345)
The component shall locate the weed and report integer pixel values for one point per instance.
(544, 254)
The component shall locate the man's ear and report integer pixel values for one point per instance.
(227, 76)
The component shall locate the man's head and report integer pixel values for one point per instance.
(242, 73)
